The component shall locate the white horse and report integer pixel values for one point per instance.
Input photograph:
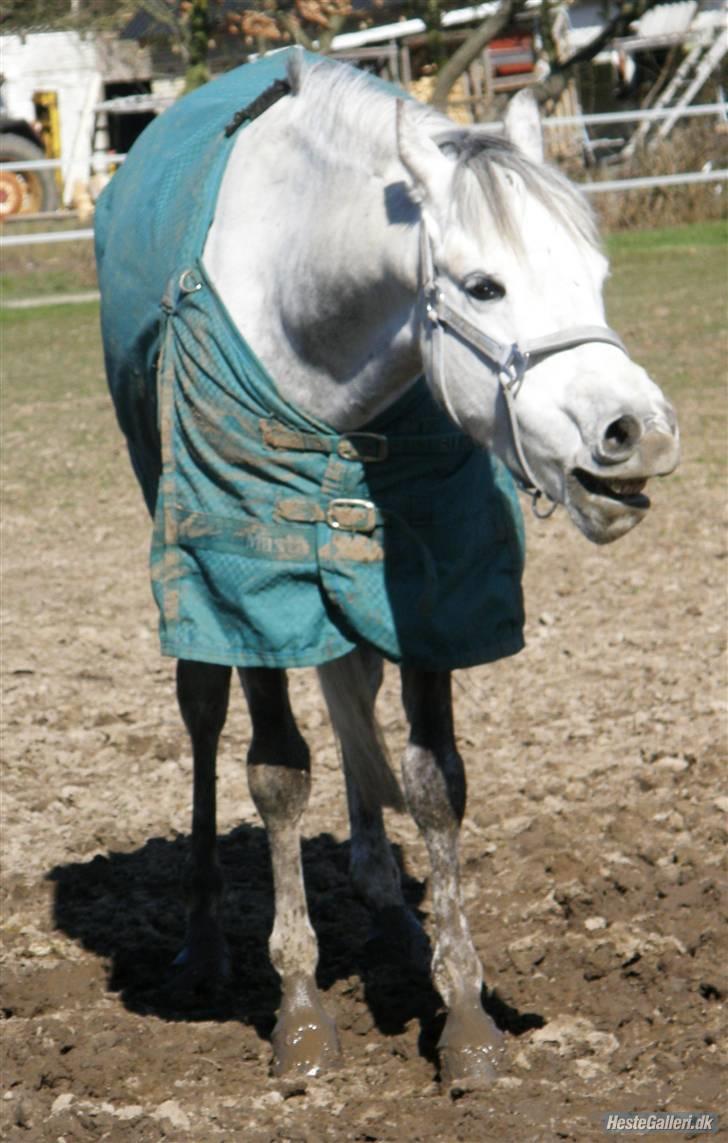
(360, 241)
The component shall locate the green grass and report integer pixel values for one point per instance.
(59, 280)
(59, 439)
(667, 295)
(674, 237)
(50, 354)
(47, 269)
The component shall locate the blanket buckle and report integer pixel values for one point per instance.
(351, 515)
(365, 447)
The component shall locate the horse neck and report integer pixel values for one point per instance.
(318, 269)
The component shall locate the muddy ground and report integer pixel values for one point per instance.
(592, 852)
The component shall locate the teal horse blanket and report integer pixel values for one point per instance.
(278, 541)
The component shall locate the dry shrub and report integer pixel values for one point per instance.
(691, 146)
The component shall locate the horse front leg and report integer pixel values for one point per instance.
(305, 1040)
(203, 691)
(471, 1045)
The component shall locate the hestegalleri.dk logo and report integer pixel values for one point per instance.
(648, 1121)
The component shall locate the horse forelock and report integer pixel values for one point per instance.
(491, 159)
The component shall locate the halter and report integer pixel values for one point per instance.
(511, 362)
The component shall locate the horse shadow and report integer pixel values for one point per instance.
(128, 909)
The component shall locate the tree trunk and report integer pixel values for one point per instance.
(469, 51)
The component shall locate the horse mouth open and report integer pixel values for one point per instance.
(629, 492)
(605, 507)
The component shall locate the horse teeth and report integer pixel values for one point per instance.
(626, 487)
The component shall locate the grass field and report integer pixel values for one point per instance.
(668, 297)
(47, 269)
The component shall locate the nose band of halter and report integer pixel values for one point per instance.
(511, 362)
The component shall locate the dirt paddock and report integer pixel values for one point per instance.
(592, 852)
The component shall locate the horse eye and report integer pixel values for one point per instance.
(485, 289)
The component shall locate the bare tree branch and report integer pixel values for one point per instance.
(469, 51)
(560, 70)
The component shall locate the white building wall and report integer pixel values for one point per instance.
(74, 66)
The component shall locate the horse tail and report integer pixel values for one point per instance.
(350, 685)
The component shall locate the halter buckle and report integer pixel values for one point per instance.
(432, 297)
(514, 370)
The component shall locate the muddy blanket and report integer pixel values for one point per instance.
(278, 541)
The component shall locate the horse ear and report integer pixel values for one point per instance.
(430, 169)
(523, 125)
(294, 69)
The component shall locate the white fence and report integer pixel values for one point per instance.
(685, 179)
(642, 183)
(98, 162)
(706, 175)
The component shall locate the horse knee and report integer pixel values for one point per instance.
(280, 793)
(432, 769)
(278, 759)
(434, 786)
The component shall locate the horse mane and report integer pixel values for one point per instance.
(339, 100)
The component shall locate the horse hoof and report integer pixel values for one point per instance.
(305, 1040)
(471, 1049)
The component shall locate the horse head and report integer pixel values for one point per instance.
(513, 332)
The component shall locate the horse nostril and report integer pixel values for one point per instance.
(621, 437)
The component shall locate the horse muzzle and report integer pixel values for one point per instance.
(606, 497)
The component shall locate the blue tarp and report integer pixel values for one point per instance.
(255, 561)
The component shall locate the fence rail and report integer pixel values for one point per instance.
(684, 179)
(720, 109)
(602, 187)
(97, 161)
(602, 118)
(50, 236)
(651, 115)
(616, 185)
(647, 181)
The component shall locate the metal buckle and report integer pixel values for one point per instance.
(188, 283)
(373, 447)
(351, 515)
(515, 369)
(432, 296)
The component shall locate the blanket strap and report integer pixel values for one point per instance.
(363, 446)
(266, 99)
(363, 516)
